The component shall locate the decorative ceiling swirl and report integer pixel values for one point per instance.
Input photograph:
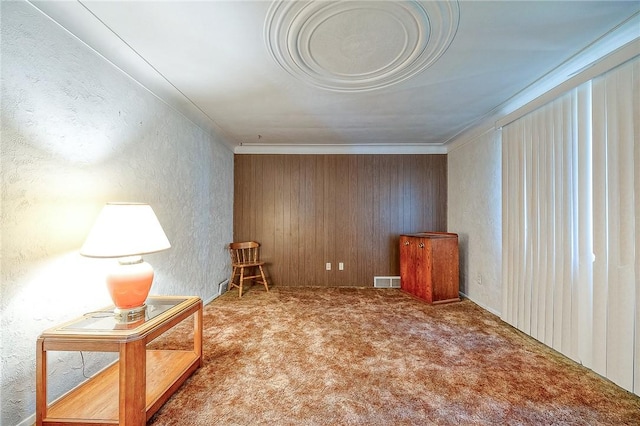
(351, 46)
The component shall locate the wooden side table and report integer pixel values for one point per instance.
(132, 389)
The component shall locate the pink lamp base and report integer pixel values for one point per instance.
(129, 284)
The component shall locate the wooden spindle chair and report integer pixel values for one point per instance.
(246, 256)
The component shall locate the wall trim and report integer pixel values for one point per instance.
(29, 421)
(599, 67)
(340, 149)
(614, 48)
(73, 17)
(473, 135)
(482, 305)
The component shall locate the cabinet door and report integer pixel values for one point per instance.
(416, 267)
(407, 277)
(445, 269)
(423, 269)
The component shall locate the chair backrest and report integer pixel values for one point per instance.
(245, 252)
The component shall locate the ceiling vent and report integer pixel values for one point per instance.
(359, 45)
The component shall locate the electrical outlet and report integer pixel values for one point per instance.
(479, 279)
(341, 266)
(328, 266)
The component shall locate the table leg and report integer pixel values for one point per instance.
(197, 333)
(41, 382)
(133, 384)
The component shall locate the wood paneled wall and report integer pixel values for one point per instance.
(307, 210)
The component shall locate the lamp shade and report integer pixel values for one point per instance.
(125, 229)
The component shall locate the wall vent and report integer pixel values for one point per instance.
(222, 287)
(386, 282)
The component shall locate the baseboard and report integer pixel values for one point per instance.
(482, 305)
(221, 284)
(210, 299)
(29, 421)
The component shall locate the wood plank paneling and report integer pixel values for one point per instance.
(307, 210)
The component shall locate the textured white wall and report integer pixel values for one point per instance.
(76, 133)
(474, 212)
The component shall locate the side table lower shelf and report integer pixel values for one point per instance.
(97, 398)
(129, 391)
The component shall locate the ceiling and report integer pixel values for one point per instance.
(347, 76)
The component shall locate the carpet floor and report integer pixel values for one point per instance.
(345, 356)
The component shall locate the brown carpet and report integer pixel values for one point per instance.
(302, 356)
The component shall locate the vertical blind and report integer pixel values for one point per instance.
(616, 226)
(571, 248)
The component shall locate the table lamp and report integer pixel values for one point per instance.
(127, 231)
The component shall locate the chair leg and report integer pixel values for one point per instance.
(241, 280)
(264, 279)
(233, 274)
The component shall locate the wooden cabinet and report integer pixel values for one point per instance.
(128, 392)
(429, 266)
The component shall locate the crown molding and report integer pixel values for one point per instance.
(617, 46)
(406, 149)
(77, 20)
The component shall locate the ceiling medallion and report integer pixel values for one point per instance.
(352, 46)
